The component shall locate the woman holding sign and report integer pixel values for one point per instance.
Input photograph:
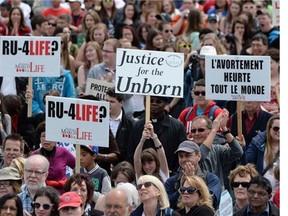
(16, 24)
(149, 161)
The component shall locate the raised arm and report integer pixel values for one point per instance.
(160, 150)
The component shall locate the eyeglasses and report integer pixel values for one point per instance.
(37, 173)
(260, 193)
(52, 24)
(185, 45)
(200, 130)
(169, 30)
(197, 93)
(146, 185)
(237, 184)
(276, 128)
(107, 51)
(190, 190)
(37, 205)
(5, 183)
(107, 0)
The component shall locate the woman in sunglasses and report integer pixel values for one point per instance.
(45, 202)
(195, 197)
(239, 179)
(153, 197)
(264, 150)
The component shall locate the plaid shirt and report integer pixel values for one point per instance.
(26, 199)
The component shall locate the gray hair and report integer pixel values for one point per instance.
(132, 193)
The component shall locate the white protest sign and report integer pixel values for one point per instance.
(238, 78)
(276, 12)
(98, 88)
(29, 56)
(226, 204)
(77, 121)
(146, 72)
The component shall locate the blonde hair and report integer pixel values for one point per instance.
(96, 46)
(19, 165)
(163, 197)
(270, 154)
(203, 191)
(220, 49)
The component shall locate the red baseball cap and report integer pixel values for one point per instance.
(69, 199)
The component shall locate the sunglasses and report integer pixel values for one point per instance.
(52, 24)
(167, 30)
(276, 128)
(237, 184)
(107, 0)
(37, 205)
(185, 45)
(190, 190)
(197, 93)
(200, 130)
(146, 185)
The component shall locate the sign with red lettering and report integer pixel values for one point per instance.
(276, 12)
(238, 78)
(77, 121)
(29, 56)
(146, 72)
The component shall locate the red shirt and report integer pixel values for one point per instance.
(50, 12)
(187, 122)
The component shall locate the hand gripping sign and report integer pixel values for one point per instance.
(77, 121)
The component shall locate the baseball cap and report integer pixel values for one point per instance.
(213, 17)
(69, 199)
(9, 173)
(263, 11)
(164, 17)
(207, 50)
(91, 148)
(188, 146)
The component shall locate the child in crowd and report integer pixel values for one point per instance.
(100, 177)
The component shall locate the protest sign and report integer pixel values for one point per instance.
(276, 12)
(226, 204)
(238, 78)
(146, 72)
(77, 121)
(98, 88)
(28, 56)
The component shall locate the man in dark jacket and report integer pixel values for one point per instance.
(189, 156)
(169, 130)
(120, 124)
(259, 193)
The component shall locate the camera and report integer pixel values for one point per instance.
(229, 38)
(194, 59)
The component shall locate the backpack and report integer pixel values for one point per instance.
(210, 114)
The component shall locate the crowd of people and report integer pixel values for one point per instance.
(180, 160)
